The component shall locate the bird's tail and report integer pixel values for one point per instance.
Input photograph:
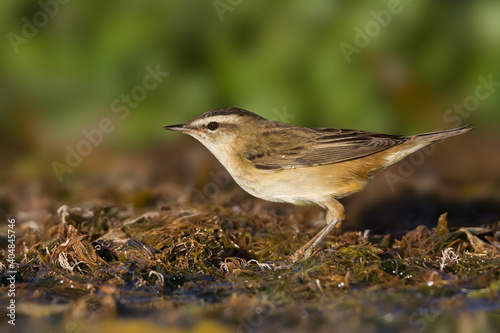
(440, 135)
(419, 141)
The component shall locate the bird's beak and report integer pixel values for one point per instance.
(178, 128)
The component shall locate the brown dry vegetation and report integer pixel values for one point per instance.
(144, 261)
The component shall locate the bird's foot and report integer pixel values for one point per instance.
(301, 254)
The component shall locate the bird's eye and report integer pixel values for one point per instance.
(213, 125)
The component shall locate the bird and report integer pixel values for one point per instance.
(287, 163)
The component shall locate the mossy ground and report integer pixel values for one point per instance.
(226, 268)
(142, 261)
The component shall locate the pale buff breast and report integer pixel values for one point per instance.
(315, 184)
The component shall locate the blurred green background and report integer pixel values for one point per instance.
(280, 59)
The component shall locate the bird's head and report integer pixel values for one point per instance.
(220, 128)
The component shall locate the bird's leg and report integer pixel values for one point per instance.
(335, 215)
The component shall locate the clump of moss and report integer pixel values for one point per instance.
(107, 264)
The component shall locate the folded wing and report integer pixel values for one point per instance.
(314, 146)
